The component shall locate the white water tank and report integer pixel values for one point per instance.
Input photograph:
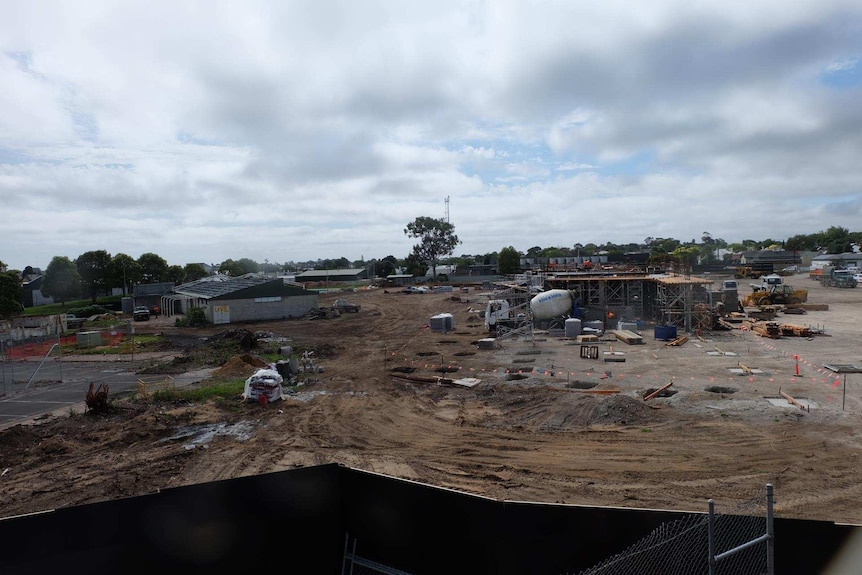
(573, 327)
(552, 303)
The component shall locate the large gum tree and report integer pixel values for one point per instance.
(436, 238)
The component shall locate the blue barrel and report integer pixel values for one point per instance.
(665, 332)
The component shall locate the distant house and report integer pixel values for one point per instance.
(250, 297)
(400, 279)
(448, 270)
(777, 258)
(841, 260)
(340, 275)
(31, 291)
(150, 295)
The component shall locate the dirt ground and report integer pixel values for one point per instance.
(529, 431)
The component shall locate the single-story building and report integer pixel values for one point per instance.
(150, 295)
(778, 259)
(400, 279)
(31, 291)
(340, 275)
(844, 260)
(250, 297)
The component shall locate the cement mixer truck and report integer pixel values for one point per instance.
(546, 305)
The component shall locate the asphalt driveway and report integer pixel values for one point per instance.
(29, 389)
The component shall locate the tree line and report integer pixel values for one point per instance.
(96, 272)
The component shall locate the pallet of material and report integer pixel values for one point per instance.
(677, 342)
(797, 330)
(584, 338)
(767, 329)
(628, 337)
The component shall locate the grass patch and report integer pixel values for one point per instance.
(143, 342)
(217, 389)
(56, 308)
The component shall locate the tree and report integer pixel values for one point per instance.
(193, 272)
(240, 267)
(61, 280)
(10, 292)
(229, 267)
(801, 243)
(125, 271)
(414, 266)
(686, 256)
(835, 240)
(436, 238)
(153, 268)
(94, 267)
(509, 261)
(387, 266)
(248, 266)
(176, 274)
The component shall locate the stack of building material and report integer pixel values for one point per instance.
(627, 326)
(767, 329)
(443, 323)
(487, 343)
(628, 336)
(797, 330)
(265, 383)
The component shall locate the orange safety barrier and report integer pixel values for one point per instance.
(40, 349)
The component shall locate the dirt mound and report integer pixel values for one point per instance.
(240, 366)
(16, 443)
(620, 410)
(243, 337)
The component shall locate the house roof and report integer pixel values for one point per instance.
(770, 256)
(852, 256)
(348, 272)
(219, 285)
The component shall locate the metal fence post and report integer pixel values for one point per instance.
(770, 532)
(711, 537)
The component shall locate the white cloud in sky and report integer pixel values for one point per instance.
(203, 131)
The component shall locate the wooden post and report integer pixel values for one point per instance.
(658, 391)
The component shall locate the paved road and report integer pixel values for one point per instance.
(61, 385)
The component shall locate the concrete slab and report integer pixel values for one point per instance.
(781, 402)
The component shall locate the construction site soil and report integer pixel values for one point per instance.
(543, 423)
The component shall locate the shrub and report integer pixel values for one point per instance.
(87, 311)
(97, 401)
(194, 318)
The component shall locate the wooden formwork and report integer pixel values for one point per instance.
(148, 386)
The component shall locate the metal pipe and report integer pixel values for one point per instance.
(770, 531)
(711, 526)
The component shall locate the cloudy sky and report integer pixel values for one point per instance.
(286, 130)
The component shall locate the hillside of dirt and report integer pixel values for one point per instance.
(542, 424)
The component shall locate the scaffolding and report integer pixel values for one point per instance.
(520, 320)
(667, 299)
(612, 295)
(683, 302)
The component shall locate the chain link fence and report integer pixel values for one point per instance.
(735, 543)
(38, 360)
(682, 547)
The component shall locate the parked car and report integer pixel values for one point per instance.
(141, 313)
(415, 289)
(858, 278)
